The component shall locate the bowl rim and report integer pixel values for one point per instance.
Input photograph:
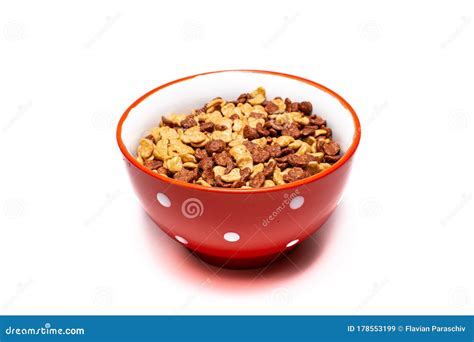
(345, 158)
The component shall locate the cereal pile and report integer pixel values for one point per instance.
(247, 143)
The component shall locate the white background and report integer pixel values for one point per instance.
(73, 238)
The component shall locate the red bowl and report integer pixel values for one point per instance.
(238, 228)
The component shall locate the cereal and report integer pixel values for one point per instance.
(274, 150)
(258, 180)
(261, 130)
(324, 166)
(331, 149)
(308, 131)
(317, 156)
(238, 140)
(202, 182)
(223, 158)
(232, 176)
(155, 133)
(278, 177)
(320, 132)
(239, 151)
(262, 142)
(312, 167)
(162, 171)
(258, 99)
(225, 136)
(285, 151)
(178, 147)
(174, 164)
(295, 144)
(257, 169)
(186, 175)
(243, 98)
(145, 150)
(167, 133)
(249, 143)
(253, 121)
(215, 146)
(221, 183)
(209, 176)
(237, 125)
(190, 165)
(295, 174)
(250, 133)
(331, 159)
(268, 183)
(269, 168)
(245, 174)
(271, 108)
(246, 109)
(206, 126)
(259, 154)
(291, 130)
(188, 158)
(153, 164)
(160, 150)
(188, 122)
(306, 108)
(228, 109)
(200, 153)
(194, 136)
(273, 125)
(304, 149)
(284, 140)
(218, 170)
(298, 160)
(245, 161)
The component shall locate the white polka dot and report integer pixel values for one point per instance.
(163, 199)
(292, 243)
(231, 237)
(297, 202)
(181, 239)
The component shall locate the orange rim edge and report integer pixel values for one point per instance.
(346, 157)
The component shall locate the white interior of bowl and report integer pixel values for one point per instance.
(184, 96)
